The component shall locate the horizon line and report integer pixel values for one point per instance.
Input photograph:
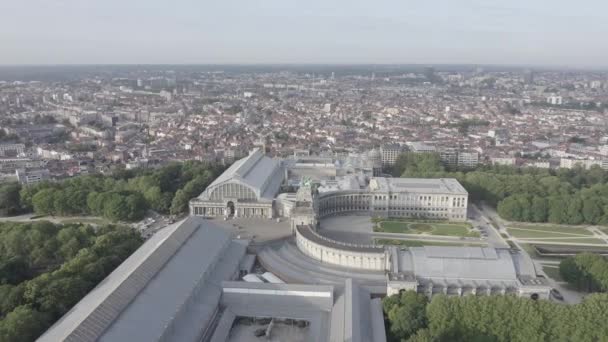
(293, 64)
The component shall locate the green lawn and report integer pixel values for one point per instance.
(553, 229)
(417, 243)
(584, 240)
(530, 234)
(433, 228)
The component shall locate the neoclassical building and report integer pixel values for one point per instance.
(249, 188)
(437, 199)
(246, 189)
(431, 269)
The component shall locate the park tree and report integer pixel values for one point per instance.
(406, 312)
(574, 211)
(586, 271)
(10, 202)
(510, 208)
(408, 315)
(417, 164)
(27, 193)
(23, 324)
(570, 272)
(11, 296)
(591, 211)
(539, 210)
(557, 209)
(46, 268)
(136, 206)
(44, 202)
(179, 203)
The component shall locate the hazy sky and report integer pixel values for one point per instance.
(541, 32)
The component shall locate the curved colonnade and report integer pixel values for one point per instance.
(333, 252)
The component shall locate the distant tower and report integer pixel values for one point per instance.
(528, 76)
(429, 73)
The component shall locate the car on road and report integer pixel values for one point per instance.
(556, 294)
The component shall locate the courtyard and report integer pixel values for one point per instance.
(426, 228)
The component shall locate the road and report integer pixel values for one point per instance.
(479, 219)
(55, 219)
(570, 297)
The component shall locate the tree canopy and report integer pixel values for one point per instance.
(494, 318)
(124, 196)
(563, 196)
(45, 269)
(585, 271)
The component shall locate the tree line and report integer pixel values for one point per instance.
(585, 272)
(123, 196)
(563, 196)
(45, 269)
(412, 317)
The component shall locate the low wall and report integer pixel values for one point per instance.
(339, 253)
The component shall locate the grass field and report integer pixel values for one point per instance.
(432, 228)
(583, 240)
(553, 272)
(552, 229)
(531, 234)
(416, 243)
(522, 231)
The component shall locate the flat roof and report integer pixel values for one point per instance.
(309, 234)
(417, 185)
(146, 295)
(77, 317)
(158, 304)
(459, 263)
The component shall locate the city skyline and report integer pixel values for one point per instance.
(272, 32)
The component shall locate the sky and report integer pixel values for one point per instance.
(513, 32)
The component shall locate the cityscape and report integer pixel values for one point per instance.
(133, 117)
(251, 182)
(319, 171)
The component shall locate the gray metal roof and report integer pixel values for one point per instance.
(260, 173)
(461, 252)
(152, 291)
(473, 263)
(418, 185)
(309, 234)
(170, 291)
(96, 311)
(354, 317)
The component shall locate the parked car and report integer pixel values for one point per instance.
(556, 294)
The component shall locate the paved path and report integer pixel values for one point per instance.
(359, 229)
(421, 237)
(481, 220)
(54, 219)
(570, 297)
